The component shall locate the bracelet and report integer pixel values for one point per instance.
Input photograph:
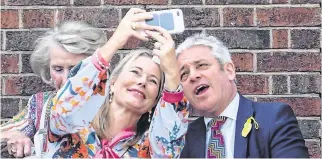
(179, 89)
(104, 64)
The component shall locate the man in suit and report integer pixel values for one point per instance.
(231, 126)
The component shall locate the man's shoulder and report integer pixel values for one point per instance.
(267, 105)
(267, 111)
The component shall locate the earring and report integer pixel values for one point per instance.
(111, 96)
(149, 119)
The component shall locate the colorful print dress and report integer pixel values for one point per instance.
(71, 135)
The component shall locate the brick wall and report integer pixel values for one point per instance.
(276, 46)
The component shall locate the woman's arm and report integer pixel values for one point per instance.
(78, 101)
(170, 120)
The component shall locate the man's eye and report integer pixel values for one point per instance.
(183, 76)
(202, 64)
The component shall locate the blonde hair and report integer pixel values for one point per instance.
(73, 36)
(100, 122)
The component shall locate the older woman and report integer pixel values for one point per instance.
(137, 111)
(59, 50)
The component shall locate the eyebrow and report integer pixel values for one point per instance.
(195, 62)
(142, 70)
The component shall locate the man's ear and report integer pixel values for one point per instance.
(229, 68)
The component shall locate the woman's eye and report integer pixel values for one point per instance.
(58, 68)
(135, 72)
(153, 81)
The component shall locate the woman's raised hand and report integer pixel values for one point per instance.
(132, 25)
(164, 48)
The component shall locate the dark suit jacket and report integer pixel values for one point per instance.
(278, 136)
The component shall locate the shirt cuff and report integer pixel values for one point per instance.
(172, 97)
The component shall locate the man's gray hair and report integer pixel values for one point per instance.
(72, 36)
(218, 49)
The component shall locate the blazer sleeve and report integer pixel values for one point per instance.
(286, 137)
(185, 150)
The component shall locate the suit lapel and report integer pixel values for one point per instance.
(198, 139)
(245, 111)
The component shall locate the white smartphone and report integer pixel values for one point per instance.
(171, 20)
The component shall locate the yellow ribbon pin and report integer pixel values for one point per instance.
(248, 126)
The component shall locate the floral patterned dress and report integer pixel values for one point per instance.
(70, 133)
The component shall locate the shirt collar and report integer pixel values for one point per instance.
(230, 112)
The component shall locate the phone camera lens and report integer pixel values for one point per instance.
(178, 13)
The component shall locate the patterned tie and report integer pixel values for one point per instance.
(216, 146)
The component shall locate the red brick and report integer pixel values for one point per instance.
(305, 84)
(289, 17)
(302, 106)
(305, 38)
(279, 1)
(280, 38)
(9, 18)
(120, 2)
(98, 17)
(243, 61)
(38, 2)
(13, 85)
(238, 16)
(288, 61)
(314, 148)
(38, 18)
(9, 63)
(132, 43)
(252, 84)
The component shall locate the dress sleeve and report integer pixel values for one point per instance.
(24, 121)
(169, 126)
(78, 101)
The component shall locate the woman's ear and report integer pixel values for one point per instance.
(112, 81)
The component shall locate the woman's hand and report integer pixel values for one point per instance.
(132, 25)
(164, 48)
(18, 144)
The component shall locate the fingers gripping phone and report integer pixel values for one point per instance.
(171, 20)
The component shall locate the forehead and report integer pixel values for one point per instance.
(147, 66)
(195, 54)
(59, 56)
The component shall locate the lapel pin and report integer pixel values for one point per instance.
(248, 126)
